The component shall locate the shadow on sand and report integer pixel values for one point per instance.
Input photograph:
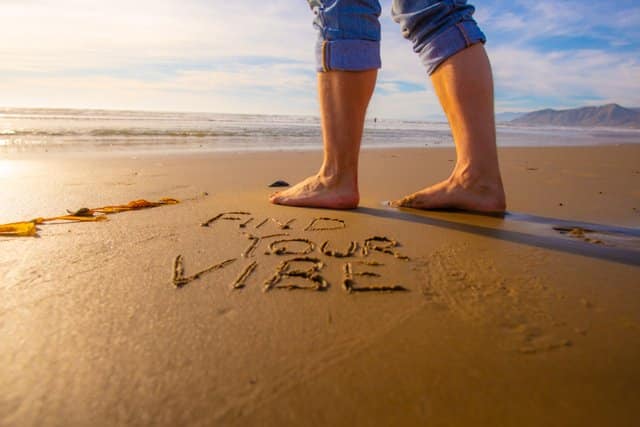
(617, 244)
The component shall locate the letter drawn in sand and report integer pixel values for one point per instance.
(255, 240)
(349, 284)
(323, 224)
(351, 250)
(263, 222)
(278, 247)
(371, 245)
(228, 216)
(239, 283)
(285, 269)
(244, 224)
(179, 279)
(281, 225)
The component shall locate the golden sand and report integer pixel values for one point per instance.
(271, 315)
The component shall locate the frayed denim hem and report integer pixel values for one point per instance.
(455, 38)
(347, 55)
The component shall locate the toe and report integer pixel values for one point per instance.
(275, 198)
(405, 202)
(281, 199)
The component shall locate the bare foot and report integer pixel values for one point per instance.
(458, 193)
(319, 192)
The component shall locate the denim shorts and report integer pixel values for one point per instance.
(349, 31)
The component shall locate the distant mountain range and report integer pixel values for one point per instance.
(610, 115)
(508, 116)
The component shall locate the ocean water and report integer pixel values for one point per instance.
(95, 130)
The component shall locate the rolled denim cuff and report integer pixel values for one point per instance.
(451, 41)
(347, 55)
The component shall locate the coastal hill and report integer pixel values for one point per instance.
(610, 115)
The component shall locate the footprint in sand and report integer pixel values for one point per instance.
(473, 289)
(542, 343)
(624, 239)
(580, 233)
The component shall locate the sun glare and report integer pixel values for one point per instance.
(8, 167)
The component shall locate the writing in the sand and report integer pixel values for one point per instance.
(301, 268)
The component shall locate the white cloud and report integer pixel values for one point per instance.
(194, 55)
(50, 36)
(567, 76)
(509, 22)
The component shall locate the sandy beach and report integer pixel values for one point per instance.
(446, 319)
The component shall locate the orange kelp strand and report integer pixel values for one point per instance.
(22, 229)
(135, 205)
(28, 228)
(77, 218)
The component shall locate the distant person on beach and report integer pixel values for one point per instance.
(450, 45)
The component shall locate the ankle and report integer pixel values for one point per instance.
(472, 174)
(334, 176)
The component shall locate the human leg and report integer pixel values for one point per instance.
(343, 96)
(467, 98)
(461, 74)
(348, 54)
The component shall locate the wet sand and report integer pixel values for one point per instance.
(455, 319)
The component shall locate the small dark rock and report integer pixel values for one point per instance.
(81, 212)
(560, 204)
(279, 183)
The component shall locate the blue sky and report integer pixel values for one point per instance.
(254, 56)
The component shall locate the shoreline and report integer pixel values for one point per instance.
(175, 149)
(42, 152)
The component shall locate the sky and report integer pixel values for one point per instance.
(256, 57)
